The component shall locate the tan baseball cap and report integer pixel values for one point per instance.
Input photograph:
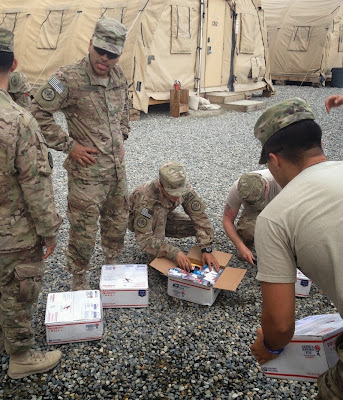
(173, 178)
(6, 40)
(109, 35)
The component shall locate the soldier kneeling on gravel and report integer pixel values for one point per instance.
(29, 222)
(253, 191)
(153, 217)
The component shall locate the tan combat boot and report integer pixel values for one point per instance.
(32, 362)
(80, 282)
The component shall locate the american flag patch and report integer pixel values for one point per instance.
(57, 85)
(146, 212)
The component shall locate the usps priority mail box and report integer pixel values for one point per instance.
(73, 316)
(302, 285)
(311, 351)
(124, 285)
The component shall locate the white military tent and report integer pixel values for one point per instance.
(305, 38)
(207, 45)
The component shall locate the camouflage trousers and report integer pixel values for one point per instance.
(246, 227)
(89, 201)
(21, 276)
(179, 225)
(330, 384)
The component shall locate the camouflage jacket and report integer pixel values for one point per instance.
(27, 207)
(20, 89)
(149, 210)
(97, 116)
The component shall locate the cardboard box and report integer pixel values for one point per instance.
(311, 351)
(302, 285)
(124, 286)
(73, 316)
(196, 293)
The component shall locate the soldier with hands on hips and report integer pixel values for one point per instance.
(93, 96)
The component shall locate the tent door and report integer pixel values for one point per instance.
(213, 43)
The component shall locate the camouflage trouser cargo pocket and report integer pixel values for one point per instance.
(330, 384)
(30, 280)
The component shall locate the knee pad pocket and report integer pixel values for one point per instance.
(30, 280)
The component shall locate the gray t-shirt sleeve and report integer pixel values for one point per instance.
(234, 199)
(275, 260)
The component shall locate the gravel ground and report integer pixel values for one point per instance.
(174, 349)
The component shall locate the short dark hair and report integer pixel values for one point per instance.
(6, 61)
(293, 140)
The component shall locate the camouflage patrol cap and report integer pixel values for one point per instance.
(279, 116)
(173, 178)
(252, 188)
(109, 35)
(6, 40)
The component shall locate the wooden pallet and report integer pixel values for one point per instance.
(245, 105)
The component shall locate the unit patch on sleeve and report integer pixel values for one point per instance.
(57, 85)
(196, 206)
(141, 222)
(48, 94)
(14, 80)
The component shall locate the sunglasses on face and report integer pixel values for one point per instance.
(102, 52)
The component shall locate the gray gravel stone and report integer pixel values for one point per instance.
(175, 349)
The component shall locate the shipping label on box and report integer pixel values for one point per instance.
(185, 289)
(311, 352)
(302, 285)
(124, 285)
(73, 316)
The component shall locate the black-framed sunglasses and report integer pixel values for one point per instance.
(102, 52)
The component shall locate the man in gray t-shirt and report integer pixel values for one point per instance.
(302, 228)
(252, 191)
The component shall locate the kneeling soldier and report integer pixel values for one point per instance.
(152, 217)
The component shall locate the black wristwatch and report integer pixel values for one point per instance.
(206, 250)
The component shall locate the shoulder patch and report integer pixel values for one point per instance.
(15, 80)
(188, 197)
(146, 212)
(57, 85)
(193, 204)
(141, 222)
(48, 94)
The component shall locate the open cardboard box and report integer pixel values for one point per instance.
(196, 293)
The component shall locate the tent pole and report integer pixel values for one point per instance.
(202, 16)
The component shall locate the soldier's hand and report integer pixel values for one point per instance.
(246, 254)
(333, 101)
(261, 354)
(183, 261)
(210, 260)
(49, 250)
(83, 154)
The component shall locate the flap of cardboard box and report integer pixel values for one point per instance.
(230, 278)
(223, 258)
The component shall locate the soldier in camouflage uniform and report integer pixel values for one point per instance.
(20, 89)
(28, 223)
(152, 217)
(253, 191)
(93, 96)
(301, 228)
